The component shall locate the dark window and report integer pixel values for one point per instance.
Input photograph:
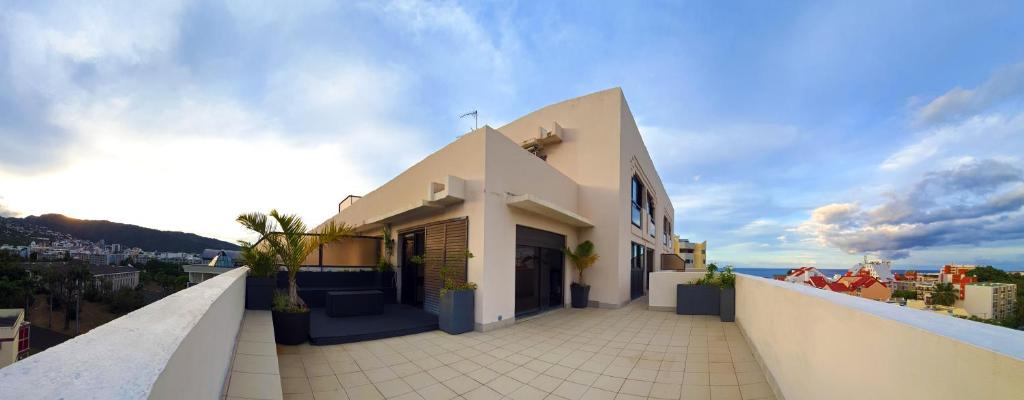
(667, 234)
(637, 198)
(638, 262)
(651, 227)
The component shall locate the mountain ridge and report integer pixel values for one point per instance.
(128, 235)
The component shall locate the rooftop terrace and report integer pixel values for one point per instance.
(789, 341)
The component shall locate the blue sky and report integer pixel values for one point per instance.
(786, 133)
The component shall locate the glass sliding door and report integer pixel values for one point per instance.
(540, 270)
(527, 279)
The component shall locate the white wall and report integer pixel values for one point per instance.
(177, 348)
(817, 344)
(662, 293)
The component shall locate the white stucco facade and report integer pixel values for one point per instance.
(565, 169)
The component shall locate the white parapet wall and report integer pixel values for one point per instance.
(661, 295)
(817, 344)
(177, 348)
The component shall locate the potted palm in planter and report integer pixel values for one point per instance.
(286, 238)
(584, 257)
(259, 284)
(700, 298)
(455, 315)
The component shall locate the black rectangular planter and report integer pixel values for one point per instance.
(728, 305)
(455, 315)
(259, 293)
(697, 299)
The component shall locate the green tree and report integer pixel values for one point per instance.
(285, 235)
(944, 294)
(905, 294)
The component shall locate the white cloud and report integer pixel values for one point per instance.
(974, 203)
(991, 134)
(1005, 84)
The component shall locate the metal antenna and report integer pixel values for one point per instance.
(474, 114)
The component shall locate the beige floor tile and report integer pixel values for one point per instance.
(482, 393)
(324, 383)
(393, 388)
(461, 384)
(635, 387)
(367, 392)
(665, 390)
(696, 379)
(527, 392)
(353, 379)
(609, 383)
(443, 373)
(756, 391)
(405, 369)
(408, 396)
(332, 395)
(559, 371)
(582, 377)
(420, 380)
(437, 391)
(255, 364)
(483, 375)
(723, 379)
(725, 393)
(744, 378)
(295, 385)
(570, 390)
(643, 374)
(594, 393)
(696, 392)
(504, 385)
(545, 383)
(625, 396)
(380, 374)
(299, 396)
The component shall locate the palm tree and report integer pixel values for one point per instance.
(944, 294)
(583, 258)
(286, 237)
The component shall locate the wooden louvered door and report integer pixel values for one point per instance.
(445, 243)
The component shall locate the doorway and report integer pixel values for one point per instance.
(636, 270)
(412, 245)
(540, 270)
(650, 268)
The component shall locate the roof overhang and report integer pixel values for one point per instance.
(452, 190)
(539, 206)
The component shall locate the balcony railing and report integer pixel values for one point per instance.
(817, 344)
(177, 348)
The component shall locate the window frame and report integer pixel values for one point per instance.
(637, 193)
(652, 229)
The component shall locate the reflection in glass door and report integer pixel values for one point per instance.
(539, 279)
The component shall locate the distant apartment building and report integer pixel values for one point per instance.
(879, 269)
(991, 300)
(694, 254)
(222, 261)
(515, 197)
(13, 336)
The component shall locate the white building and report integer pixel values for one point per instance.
(11, 343)
(991, 300)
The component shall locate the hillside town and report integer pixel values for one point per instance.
(953, 290)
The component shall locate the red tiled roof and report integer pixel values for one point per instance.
(818, 281)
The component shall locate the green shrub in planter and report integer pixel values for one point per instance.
(456, 311)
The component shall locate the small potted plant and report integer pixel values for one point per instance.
(385, 277)
(286, 238)
(455, 315)
(584, 257)
(259, 284)
(727, 303)
(700, 298)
